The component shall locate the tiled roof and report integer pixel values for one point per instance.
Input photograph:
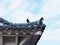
(5, 25)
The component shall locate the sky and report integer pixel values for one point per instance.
(17, 11)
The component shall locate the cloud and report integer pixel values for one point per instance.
(12, 6)
(51, 8)
(57, 22)
(51, 35)
(3, 5)
(17, 18)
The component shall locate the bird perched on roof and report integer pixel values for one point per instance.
(28, 20)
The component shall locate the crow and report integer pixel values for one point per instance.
(28, 20)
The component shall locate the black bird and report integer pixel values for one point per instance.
(28, 20)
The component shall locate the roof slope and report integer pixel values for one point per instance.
(5, 25)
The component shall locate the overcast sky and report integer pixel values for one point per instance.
(17, 11)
